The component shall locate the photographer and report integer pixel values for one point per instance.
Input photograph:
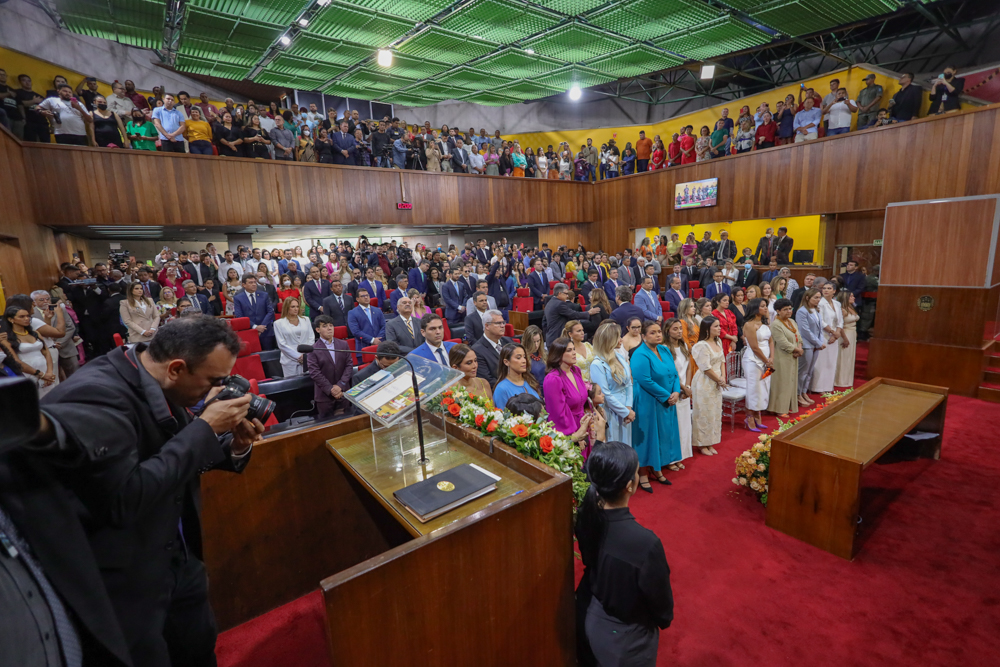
(381, 148)
(126, 444)
(400, 152)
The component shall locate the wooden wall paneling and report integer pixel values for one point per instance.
(956, 319)
(569, 236)
(861, 228)
(958, 368)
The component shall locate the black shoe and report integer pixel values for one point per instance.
(647, 487)
(664, 480)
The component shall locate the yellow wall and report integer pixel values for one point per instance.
(852, 79)
(807, 230)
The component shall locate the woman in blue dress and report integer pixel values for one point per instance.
(513, 376)
(610, 371)
(655, 433)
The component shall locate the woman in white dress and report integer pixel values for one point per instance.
(291, 331)
(826, 359)
(584, 351)
(682, 361)
(28, 349)
(729, 274)
(758, 355)
(543, 164)
(848, 348)
(708, 382)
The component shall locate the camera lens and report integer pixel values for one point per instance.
(260, 408)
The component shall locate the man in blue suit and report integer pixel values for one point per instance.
(402, 284)
(593, 282)
(674, 295)
(717, 286)
(199, 301)
(624, 310)
(433, 348)
(648, 273)
(344, 145)
(314, 291)
(366, 322)
(418, 277)
(647, 300)
(249, 303)
(538, 285)
(376, 291)
(611, 284)
(454, 295)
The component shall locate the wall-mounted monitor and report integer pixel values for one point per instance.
(696, 194)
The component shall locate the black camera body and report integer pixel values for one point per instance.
(117, 258)
(235, 387)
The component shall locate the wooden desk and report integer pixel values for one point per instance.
(518, 320)
(817, 465)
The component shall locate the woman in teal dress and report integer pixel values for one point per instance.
(655, 432)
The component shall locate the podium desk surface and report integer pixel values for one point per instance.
(383, 469)
(866, 425)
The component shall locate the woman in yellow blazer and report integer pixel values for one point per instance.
(140, 315)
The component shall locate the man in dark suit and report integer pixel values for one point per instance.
(747, 276)
(784, 250)
(418, 277)
(807, 283)
(454, 294)
(854, 282)
(625, 309)
(558, 312)
(253, 304)
(202, 271)
(474, 326)
(718, 285)
(149, 286)
(466, 279)
(674, 295)
(131, 453)
(405, 329)
(611, 284)
(767, 247)
(593, 282)
(199, 301)
(707, 273)
(268, 288)
(375, 289)
(402, 284)
(459, 158)
(538, 285)
(690, 271)
(724, 249)
(314, 291)
(649, 274)
(330, 371)
(482, 253)
(344, 145)
(488, 346)
(706, 247)
(338, 304)
(366, 322)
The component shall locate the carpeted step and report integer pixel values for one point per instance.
(989, 391)
(991, 375)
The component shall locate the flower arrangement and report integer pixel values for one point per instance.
(537, 440)
(754, 465)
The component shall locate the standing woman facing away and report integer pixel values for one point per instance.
(847, 350)
(611, 371)
(682, 362)
(708, 382)
(624, 598)
(687, 313)
(787, 349)
(833, 326)
(655, 433)
(758, 356)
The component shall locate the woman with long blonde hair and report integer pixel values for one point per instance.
(139, 314)
(611, 372)
(584, 351)
(687, 313)
(167, 304)
(291, 330)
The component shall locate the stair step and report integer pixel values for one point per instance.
(992, 376)
(989, 393)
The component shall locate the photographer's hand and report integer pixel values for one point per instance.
(246, 434)
(224, 416)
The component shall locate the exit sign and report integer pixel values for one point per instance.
(407, 206)
(877, 242)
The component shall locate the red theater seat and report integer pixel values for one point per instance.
(340, 332)
(251, 341)
(239, 323)
(118, 340)
(249, 366)
(523, 291)
(508, 330)
(693, 284)
(523, 304)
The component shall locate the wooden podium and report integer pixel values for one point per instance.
(939, 292)
(814, 485)
(489, 583)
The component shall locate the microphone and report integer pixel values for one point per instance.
(306, 349)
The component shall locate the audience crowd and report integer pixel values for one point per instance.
(176, 123)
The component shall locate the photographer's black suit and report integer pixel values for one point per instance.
(133, 460)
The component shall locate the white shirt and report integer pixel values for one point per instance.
(434, 352)
(477, 161)
(121, 106)
(840, 114)
(70, 120)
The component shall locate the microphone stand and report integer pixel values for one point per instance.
(306, 349)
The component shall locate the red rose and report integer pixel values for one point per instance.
(448, 401)
(448, 393)
(479, 420)
(545, 443)
(454, 409)
(520, 430)
(492, 427)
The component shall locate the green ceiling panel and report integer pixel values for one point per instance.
(277, 12)
(516, 64)
(488, 99)
(634, 61)
(133, 22)
(302, 67)
(471, 79)
(333, 51)
(407, 99)
(575, 42)
(372, 78)
(565, 78)
(222, 29)
(407, 67)
(417, 10)
(210, 68)
(340, 90)
(272, 78)
(649, 19)
(572, 7)
(801, 17)
(500, 20)
(340, 20)
(525, 89)
(723, 35)
(445, 46)
(432, 91)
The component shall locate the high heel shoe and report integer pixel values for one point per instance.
(664, 480)
(647, 487)
(746, 422)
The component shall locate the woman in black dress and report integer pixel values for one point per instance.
(108, 127)
(228, 136)
(324, 147)
(624, 598)
(738, 307)
(506, 163)
(255, 139)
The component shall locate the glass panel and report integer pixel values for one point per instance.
(861, 430)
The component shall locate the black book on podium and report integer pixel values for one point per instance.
(445, 491)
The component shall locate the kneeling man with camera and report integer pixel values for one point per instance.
(123, 438)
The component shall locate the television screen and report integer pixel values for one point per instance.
(696, 194)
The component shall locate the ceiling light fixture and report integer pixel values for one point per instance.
(303, 22)
(575, 93)
(384, 57)
(285, 40)
(707, 71)
(324, 3)
(532, 51)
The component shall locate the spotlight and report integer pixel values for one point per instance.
(575, 93)
(707, 71)
(531, 51)
(285, 40)
(384, 57)
(323, 3)
(303, 22)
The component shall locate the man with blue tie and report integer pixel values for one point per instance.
(648, 273)
(249, 303)
(365, 322)
(647, 301)
(418, 277)
(454, 295)
(433, 348)
(674, 295)
(611, 284)
(593, 282)
(717, 286)
(402, 283)
(376, 291)
(344, 145)
(199, 301)
(538, 286)
(314, 291)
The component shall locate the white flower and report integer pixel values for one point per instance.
(760, 466)
(743, 481)
(752, 461)
(755, 486)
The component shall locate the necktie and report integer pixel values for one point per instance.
(145, 289)
(440, 354)
(409, 326)
(253, 300)
(368, 313)
(340, 300)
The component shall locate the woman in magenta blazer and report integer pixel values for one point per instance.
(564, 389)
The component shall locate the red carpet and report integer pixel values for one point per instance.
(922, 590)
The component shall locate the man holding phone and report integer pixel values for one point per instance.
(87, 91)
(69, 117)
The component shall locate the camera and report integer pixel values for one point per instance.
(235, 387)
(118, 258)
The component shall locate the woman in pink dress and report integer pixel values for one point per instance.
(564, 390)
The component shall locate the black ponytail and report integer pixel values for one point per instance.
(611, 466)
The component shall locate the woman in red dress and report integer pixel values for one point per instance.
(687, 146)
(659, 157)
(674, 152)
(727, 320)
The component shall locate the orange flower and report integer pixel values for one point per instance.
(448, 401)
(545, 443)
(447, 393)
(520, 430)
(479, 420)
(454, 409)
(492, 427)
